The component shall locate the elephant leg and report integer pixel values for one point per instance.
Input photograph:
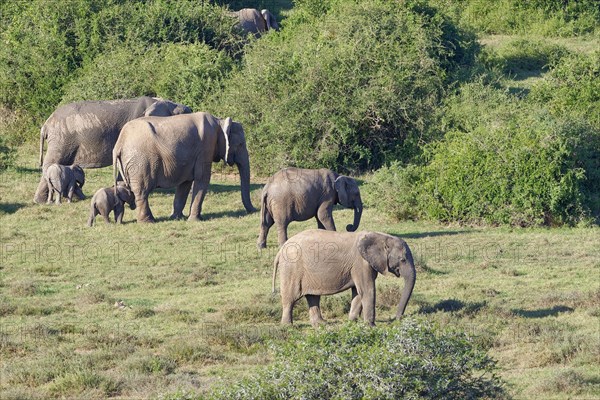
(325, 215)
(264, 230)
(42, 191)
(50, 196)
(198, 192)
(314, 309)
(368, 304)
(356, 305)
(144, 213)
(70, 192)
(119, 211)
(282, 236)
(181, 195)
(106, 218)
(288, 307)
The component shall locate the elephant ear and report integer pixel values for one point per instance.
(340, 187)
(226, 127)
(269, 20)
(374, 248)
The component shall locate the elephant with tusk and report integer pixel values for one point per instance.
(85, 132)
(317, 262)
(155, 152)
(295, 194)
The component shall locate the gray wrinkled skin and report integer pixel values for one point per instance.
(107, 200)
(64, 181)
(84, 133)
(178, 151)
(295, 194)
(317, 262)
(254, 21)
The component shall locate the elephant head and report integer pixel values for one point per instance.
(349, 196)
(125, 195)
(166, 108)
(385, 254)
(78, 174)
(236, 152)
(270, 20)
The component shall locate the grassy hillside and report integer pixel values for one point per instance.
(138, 311)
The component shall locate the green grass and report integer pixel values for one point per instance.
(137, 311)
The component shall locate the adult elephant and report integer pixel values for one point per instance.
(314, 263)
(256, 22)
(295, 194)
(84, 133)
(178, 151)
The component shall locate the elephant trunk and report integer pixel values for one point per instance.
(244, 169)
(410, 276)
(358, 209)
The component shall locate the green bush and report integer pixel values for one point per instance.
(44, 46)
(502, 161)
(348, 90)
(404, 361)
(572, 88)
(549, 18)
(185, 73)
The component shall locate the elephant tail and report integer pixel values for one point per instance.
(275, 265)
(118, 167)
(42, 138)
(264, 213)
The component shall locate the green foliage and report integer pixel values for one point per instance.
(572, 88)
(524, 55)
(408, 360)
(502, 161)
(394, 190)
(549, 18)
(348, 90)
(185, 73)
(46, 45)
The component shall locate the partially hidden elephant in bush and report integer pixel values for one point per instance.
(256, 22)
(64, 180)
(295, 194)
(317, 262)
(84, 133)
(177, 152)
(112, 199)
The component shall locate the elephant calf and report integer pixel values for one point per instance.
(64, 180)
(294, 194)
(317, 262)
(110, 199)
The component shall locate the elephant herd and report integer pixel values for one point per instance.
(156, 143)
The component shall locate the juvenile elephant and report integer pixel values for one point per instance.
(178, 151)
(295, 194)
(111, 199)
(317, 262)
(64, 180)
(256, 22)
(84, 133)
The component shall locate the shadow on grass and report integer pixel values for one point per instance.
(208, 216)
(452, 305)
(419, 235)
(542, 313)
(11, 208)
(212, 188)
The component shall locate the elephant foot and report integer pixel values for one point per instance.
(194, 218)
(146, 220)
(177, 216)
(317, 322)
(261, 245)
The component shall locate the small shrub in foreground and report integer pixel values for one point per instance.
(408, 360)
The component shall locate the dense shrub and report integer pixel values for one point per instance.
(405, 361)
(502, 161)
(541, 17)
(572, 88)
(43, 45)
(185, 73)
(347, 90)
